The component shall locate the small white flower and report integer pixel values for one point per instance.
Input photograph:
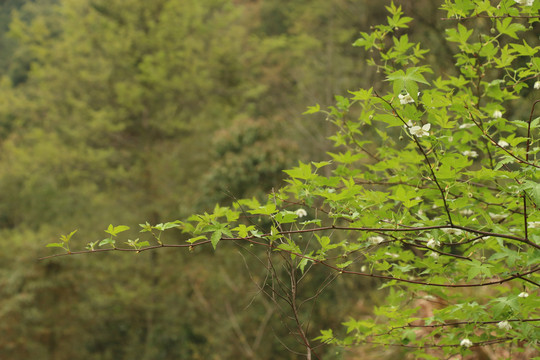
(504, 325)
(525, 2)
(434, 255)
(301, 213)
(405, 99)
(497, 217)
(534, 224)
(497, 114)
(395, 256)
(471, 153)
(433, 243)
(466, 343)
(376, 239)
(420, 131)
(466, 212)
(523, 294)
(363, 268)
(503, 143)
(452, 231)
(466, 126)
(537, 85)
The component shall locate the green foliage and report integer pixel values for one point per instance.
(440, 202)
(65, 241)
(131, 110)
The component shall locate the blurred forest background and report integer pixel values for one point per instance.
(126, 111)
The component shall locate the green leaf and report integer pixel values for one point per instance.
(146, 227)
(506, 26)
(107, 241)
(461, 35)
(321, 164)
(408, 80)
(303, 171)
(406, 196)
(115, 230)
(268, 209)
(302, 264)
(525, 49)
(344, 265)
(243, 230)
(324, 241)
(533, 189)
(66, 238)
(477, 268)
(312, 109)
(367, 40)
(216, 236)
(60, 245)
(197, 238)
(91, 245)
(168, 225)
(285, 217)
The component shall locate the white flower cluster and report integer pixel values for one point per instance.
(497, 114)
(301, 213)
(376, 239)
(497, 217)
(405, 99)
(504, 325)
(502, 143)
(525, 2)
(452, 231)
(466, 343)
(433, 243)
(466, 212)
(470, 153)
(417, 130)
(537, 85)
(523, 294)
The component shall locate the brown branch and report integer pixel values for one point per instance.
(300, 231)
(518, 159)
(493, 17)
(457, 323)
(478, 344)
(525, 220)
(421, 148)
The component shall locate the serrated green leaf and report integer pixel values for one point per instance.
(60, 245)
(195, 239)
(508, 27)
(344, 265)
(107, 241)
(312, 109)
(216, 236)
